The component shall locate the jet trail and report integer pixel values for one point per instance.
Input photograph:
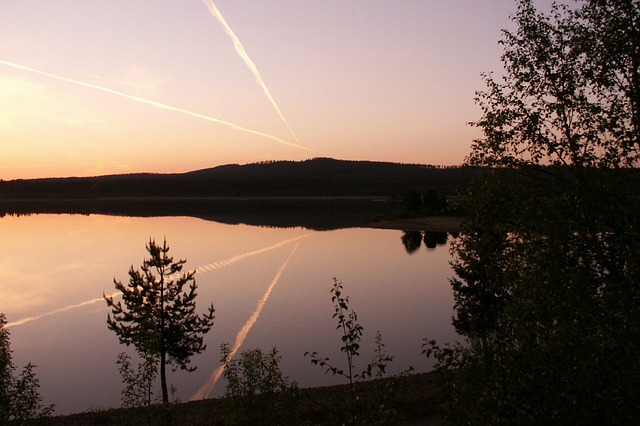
(154, 104)
(206, 389)
(237, 45)
(127, 83)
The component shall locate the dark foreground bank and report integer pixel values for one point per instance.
(409, 400)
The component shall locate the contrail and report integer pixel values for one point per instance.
(128, 83)
(205, 268)
(59, 310)
(154, 104)
(206, 389)
(237, 45)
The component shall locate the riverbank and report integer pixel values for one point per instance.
(408, 400)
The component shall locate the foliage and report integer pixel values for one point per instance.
(158, 317)
(19, 397)
(434, 203)
(569, 95)
(429, 203)
(351, 334)
(412, 200)
(138, 390)
(257, 388)
(450, 361)
(547, 273)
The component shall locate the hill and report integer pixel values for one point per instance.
(316, 177)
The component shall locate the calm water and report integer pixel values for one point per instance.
(55, 268)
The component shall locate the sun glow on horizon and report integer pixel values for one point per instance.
(356, 81)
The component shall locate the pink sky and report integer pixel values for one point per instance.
(147, 86)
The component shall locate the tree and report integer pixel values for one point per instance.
(257, 389)
(570, 94)
(547, 274)
(19, 397)
(156, 316)
(139, 381)
(351, 334)
(412, 200)
(434, 203)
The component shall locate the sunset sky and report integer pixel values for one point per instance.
(121, 86)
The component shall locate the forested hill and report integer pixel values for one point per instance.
(316, 177)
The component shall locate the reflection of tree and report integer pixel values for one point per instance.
(434, 239)
(411, 241)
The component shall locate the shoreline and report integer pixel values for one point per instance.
(429, 223)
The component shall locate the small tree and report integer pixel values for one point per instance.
(19, 397)
(138, 382)
(157, 316)
(351, 334)
(257, 388)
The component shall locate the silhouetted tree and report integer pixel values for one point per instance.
(547, 286)
(138, 382)
(157, 316)
(412, 200)
(434, 203)
(19, 397)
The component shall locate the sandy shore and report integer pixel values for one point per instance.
(432, 223)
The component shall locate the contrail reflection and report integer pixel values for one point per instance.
(206, 389)
(60, 310)
(205, 268)
(153, 103)
(233, 259)
(237, 45)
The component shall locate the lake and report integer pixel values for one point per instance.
(55, 268)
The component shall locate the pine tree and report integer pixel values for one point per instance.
(157, 316)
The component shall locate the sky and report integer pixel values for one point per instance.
(119, 86)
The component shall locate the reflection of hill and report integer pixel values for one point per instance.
(316, 214)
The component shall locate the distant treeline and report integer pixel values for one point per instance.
(316, 177)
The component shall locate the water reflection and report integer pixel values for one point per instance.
(412, 240)
(205, 390)
(406, 297)
(435, 239)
